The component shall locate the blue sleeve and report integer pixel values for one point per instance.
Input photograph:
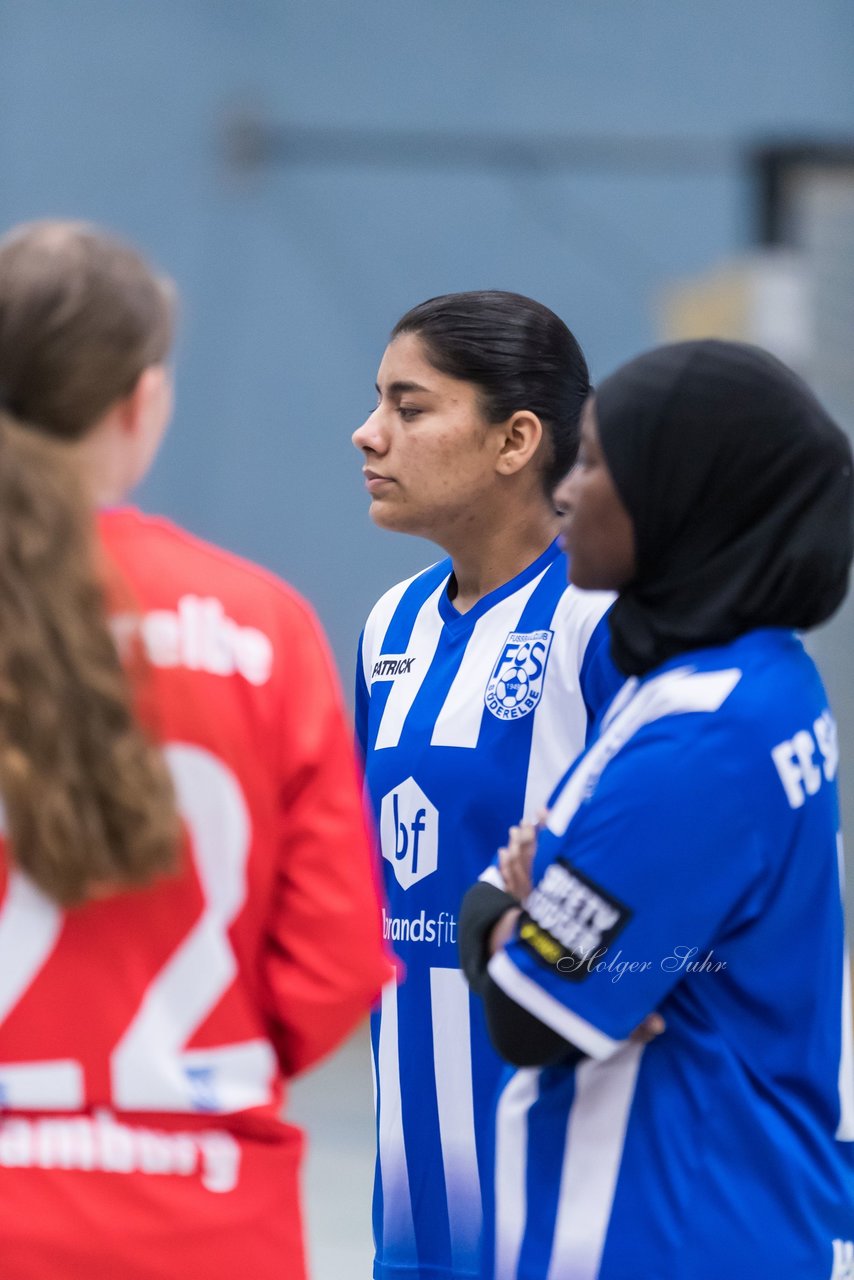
(663, 858)
(599, 678)
(363, 702)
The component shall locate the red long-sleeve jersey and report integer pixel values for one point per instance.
(145, 1037)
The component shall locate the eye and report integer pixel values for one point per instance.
(408, 412)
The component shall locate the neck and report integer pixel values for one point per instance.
(491, 555)
(103, 468)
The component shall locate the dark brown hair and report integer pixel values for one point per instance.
(88, 798)
(518, 353)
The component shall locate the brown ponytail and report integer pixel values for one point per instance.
(88, 799)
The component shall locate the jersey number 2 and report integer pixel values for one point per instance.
(150, 1067)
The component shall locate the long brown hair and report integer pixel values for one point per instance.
(88, 799)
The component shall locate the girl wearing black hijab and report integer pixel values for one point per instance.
(690, 864)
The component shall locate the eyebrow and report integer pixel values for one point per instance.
(400, 388)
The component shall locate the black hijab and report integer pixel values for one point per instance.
(739, 487)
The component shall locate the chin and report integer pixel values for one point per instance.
(585, 578)
(386, 518)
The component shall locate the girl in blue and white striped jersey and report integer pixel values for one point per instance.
(690, 862)
(478, 679)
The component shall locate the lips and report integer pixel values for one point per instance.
(565, 530)
(374, 481)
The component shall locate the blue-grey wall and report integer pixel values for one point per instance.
(291, 275)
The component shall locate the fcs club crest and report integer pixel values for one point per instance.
(516, 684)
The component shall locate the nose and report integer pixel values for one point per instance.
(564, 493)
(369, 437)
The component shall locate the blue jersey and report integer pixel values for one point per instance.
(466, 722)
(691, 865)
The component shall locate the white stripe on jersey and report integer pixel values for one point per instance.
(378, 620)
(449, 999)
(560, 720)
(511, 1151)
(595, 1137)
(458, 722)
(493, 876)
(397, 1205)
(673, 693)
(845, 1132)
(531, 996)
(424, 641)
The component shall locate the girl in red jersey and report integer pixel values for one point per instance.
(182, 926)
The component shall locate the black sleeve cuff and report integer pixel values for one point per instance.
(517, 1035)
(521, 1038)
(482, 906)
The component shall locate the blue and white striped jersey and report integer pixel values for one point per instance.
(467, 721)
(690, 865)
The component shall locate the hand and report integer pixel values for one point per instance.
(516, 858)
(502, 930)
(652, 1026)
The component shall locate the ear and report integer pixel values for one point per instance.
(521, 437)
(145, 400)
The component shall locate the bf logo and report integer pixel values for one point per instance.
(409, 833)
